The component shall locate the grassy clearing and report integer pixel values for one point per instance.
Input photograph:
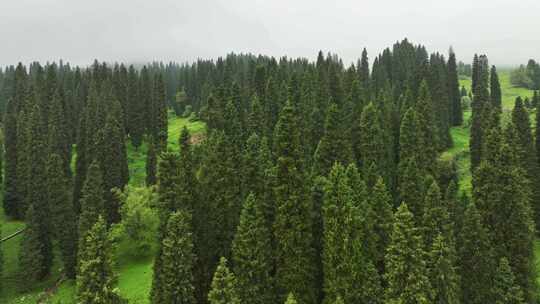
(135, 276)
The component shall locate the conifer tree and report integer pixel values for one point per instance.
(290, 299)
(334, 146)
(92, 201)
(495, 89)
(24, 164)
(427, 130)
(371, 148)
(526, 154)
(159, 107)
(63, 213)
(252, 254)
(475, 259)
(96, 280)
(381, 204)
(406, 270)
(293, 227)
(480, 99)
(363, 70)
(151, 163)
(224, 289)
(443, 273)
(32, 258)
(10, 202)
(453, 91)
(409, 141)
(175, 284)
(435, 218)
(505, 290)
(137, 108)
(411, 187)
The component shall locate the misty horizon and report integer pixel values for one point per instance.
(171, 31)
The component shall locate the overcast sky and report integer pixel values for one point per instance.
(508, 31)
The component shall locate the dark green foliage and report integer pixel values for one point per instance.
(92, 201)
(334, 146)
(480, 99)
(406, 270)
(427, 130)
(435, 218)
(411, 187)
(35, 256)
(252, 254)
(224, 289)
(475, 259)
(495, 89)
(137, 107)
(346, 260)
(10, 202)
(175, 282)
(112, 155)
(443, 273)
(505, 289)
(159, 113)
(293, 227)
(454, 94)
(96, 281)
(381, 205)
(151, 163)
(371, 147)
(526, 153)
(62, 211)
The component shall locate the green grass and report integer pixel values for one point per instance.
(134, 276)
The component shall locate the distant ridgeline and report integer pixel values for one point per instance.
(316, 182)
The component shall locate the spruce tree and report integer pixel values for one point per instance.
(475, 259)
(381, 204)
(427, 130)
(159, 108)
(63, 213)
(92, 201)
(175, 284)
(526, 154)
(293, 227)
(96, 280)
(224, 289)
(436, 219)
(480, 99)
(411, 187)
(290, 299)
(10, 201)
(32, 261)
(252, 254)
(495, 89)
(334, 146)
(505, 290)
(453, 91)
(371, 148)
(151, 163)
(406, 271)
(443, 273)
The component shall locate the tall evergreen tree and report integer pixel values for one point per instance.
(443, 273)
(475, 259)
(224, 289)
(371, 148)
(33, 261)
(159, 112)
(96, 280)
(92, 201)
(381, 204)
(480, 99)
(252, 254)
(293, 227)
(406, 270)
(526, 154)
(453, 91)
(176, 274)
(427, 129)
(63, 213)
(151, 163)
(334, 146)
(505, 288)
(495, 89)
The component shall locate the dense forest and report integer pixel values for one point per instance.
(314, 181)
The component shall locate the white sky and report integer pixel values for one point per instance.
(78, 31)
